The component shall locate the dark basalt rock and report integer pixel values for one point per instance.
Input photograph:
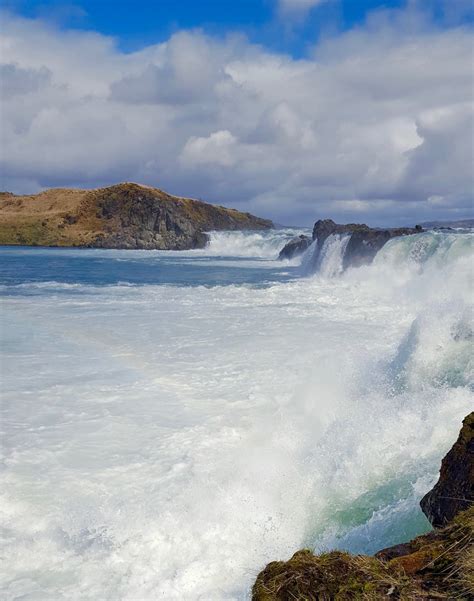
(295, 247)
(454, 491)
(148, 218)
(365, 241)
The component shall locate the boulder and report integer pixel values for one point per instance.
(296, 246)
(454, 491)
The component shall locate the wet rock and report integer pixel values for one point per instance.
(295, 247)
(365, 241)
(454, 491)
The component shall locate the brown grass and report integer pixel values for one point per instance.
(69, 217)
(440, 567)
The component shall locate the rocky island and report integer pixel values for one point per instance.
(437, 565)
(126, 215)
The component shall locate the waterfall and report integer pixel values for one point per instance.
(327, 261)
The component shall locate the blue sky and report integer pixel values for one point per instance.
(291, 109)
(137, 23)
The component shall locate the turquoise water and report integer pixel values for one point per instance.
(22, 265)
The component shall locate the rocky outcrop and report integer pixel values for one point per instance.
(434, 566)
(454, 491)
(437, 565)
(295, 247)
(364, 242)
(122, 216)
(363, 245)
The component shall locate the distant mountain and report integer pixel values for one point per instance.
(126, 215)
(464, 223)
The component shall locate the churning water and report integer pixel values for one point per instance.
(173, 421)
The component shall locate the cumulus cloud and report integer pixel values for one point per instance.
(216, 149)
(183, 71)
(376, 124)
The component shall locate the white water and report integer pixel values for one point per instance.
(329, 260)
(167, 442)
(261, 244)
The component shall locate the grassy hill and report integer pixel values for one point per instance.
(125, 215)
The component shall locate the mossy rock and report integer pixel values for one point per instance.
(438, 565)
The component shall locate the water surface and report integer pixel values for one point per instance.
(173, 421)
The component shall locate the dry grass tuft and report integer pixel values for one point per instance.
(439, 565)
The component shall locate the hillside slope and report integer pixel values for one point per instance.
(126, 215)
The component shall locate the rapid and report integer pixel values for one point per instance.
(171, 422)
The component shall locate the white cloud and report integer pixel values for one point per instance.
(19, 82)
(216, 149)
(298, 6)
(376, 124)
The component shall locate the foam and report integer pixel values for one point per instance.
(167, 442)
